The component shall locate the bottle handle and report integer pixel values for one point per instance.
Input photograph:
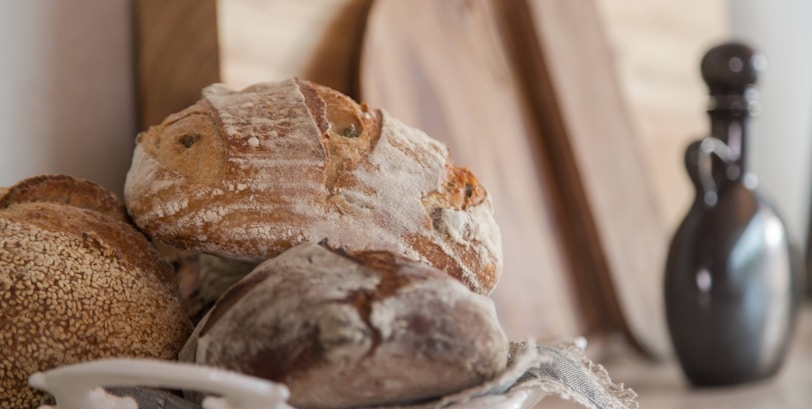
(77, 386)
(710, 146)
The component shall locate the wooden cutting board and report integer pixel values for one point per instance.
(523, 93)
(444, 67)
(177, 54)
(570, 71)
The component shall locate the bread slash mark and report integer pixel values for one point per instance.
(349, 131)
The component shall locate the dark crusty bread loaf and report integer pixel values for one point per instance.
(248, 174)
(349, 330)
(77, 283)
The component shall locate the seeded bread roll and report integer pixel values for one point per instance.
(77, 283)
(66, 190)
(248, 174)
(351, 330)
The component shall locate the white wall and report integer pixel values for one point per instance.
(781, 141)
(66, 89)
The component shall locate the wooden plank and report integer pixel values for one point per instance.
(177, 54)
(656, 47)
(443, 66)
(316, 40)
(592, 145)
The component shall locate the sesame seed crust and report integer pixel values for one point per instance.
(77, 285)
(67, 190)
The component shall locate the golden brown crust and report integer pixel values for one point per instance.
(295, 162)
(459, 188)
(77, 284)
(349, 131)
(189, 143)
(66, 190)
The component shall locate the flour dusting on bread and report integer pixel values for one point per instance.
(295, 162)
(344, 330)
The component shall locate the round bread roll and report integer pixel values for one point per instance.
(66, 190)
(248, 174)
(350, 330)
(77, 283)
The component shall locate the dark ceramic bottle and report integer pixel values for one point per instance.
(731, 282)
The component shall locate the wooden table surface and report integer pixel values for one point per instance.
(662, 386)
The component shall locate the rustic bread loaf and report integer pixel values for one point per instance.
(349, 330)
(77, 283)
(66, 190)
(248, 174)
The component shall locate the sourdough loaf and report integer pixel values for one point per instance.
(349, 330)
(77, 283)
(248, 174)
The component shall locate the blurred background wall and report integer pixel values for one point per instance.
(67, 101)
(782, 133)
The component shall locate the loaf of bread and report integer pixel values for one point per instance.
(77, 283)
(355, 329)
(67, 190)
(248, 174)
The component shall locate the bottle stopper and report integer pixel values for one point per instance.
(730, 70)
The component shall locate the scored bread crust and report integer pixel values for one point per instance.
(248, 174)
(344, 330)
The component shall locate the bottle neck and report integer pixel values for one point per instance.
(730, 127)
